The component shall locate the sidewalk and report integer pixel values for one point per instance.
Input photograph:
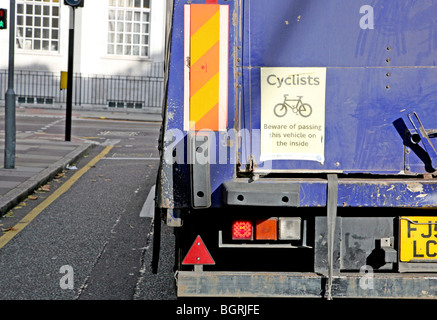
(40, 157)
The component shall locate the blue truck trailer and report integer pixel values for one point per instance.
(298, 150)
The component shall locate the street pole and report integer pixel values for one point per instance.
(10, 126)
(70, 76)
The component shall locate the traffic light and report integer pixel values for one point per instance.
(3, 19)
(74, 3)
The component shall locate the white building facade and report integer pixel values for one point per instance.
(119, 46)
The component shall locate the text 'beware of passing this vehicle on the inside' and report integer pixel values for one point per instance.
(298, 148)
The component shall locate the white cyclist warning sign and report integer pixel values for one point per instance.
(293, 114)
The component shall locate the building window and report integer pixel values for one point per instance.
(38, 25)
(129, 27)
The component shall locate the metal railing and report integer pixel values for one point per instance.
(41, 87)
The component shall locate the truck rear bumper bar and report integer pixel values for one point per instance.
(352, 192)
(310, 285)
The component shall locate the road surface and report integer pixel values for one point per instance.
(89, 242)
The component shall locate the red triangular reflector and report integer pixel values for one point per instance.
(198, 254)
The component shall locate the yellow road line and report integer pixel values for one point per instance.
(50, 199)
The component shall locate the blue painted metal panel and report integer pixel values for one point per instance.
(375, 77)
(366, 193)
(364, 119)
(327, 33)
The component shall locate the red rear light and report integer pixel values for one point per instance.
(242, 230)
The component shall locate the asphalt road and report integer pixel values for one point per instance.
(91, 243)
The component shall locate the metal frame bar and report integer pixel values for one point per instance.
(258, 246)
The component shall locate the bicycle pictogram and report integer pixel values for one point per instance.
(303, 109)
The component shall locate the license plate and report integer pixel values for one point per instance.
(418, 239)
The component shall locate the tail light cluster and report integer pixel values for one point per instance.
(282, 228)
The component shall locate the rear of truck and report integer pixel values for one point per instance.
(297, 148)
